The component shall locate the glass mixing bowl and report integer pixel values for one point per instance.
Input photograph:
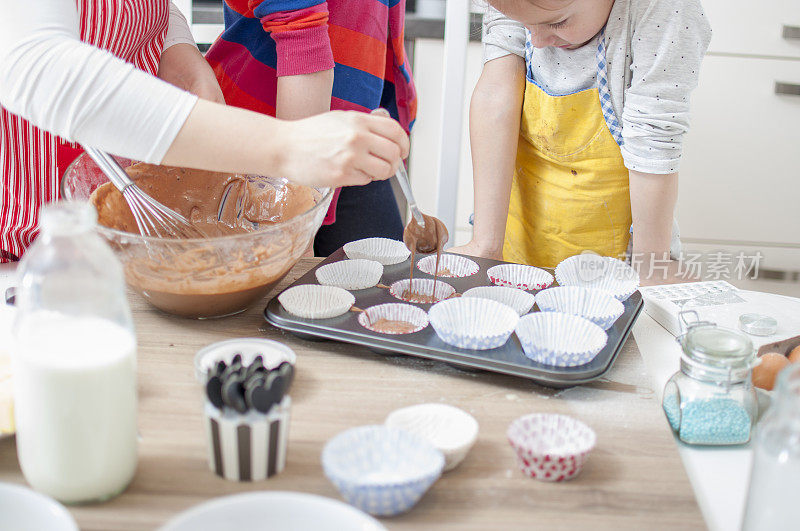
(202, 278)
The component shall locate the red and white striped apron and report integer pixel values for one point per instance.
(31, 160)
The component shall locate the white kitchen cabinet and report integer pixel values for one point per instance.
(744, 27)
(740, 173)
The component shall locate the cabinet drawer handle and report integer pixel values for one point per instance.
(791, 32)
(787, 89)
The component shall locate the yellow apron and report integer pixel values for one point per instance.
(570, 191)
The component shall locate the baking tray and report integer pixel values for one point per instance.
(508, 359)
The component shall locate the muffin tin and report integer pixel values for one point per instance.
(507, 359)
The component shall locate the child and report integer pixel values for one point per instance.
(592, 160)
(296, 58)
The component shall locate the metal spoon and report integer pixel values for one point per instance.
(402, 178)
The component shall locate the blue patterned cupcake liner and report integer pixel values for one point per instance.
(381, 470)
(588, 270)
(597, 306)
(560, 339)
(473, 323)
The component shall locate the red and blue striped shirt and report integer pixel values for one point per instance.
(362, 40)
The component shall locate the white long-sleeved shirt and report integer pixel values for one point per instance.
(83, 93)
(654, 49)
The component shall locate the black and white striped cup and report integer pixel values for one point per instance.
(249, 447)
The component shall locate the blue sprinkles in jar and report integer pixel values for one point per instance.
(712, 421)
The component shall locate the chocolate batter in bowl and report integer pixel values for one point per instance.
(267, 225)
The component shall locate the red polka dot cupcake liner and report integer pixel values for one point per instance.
(551, 447)
(519, 276)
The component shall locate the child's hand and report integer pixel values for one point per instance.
(474, 248)
(183, 65)
(343, 148)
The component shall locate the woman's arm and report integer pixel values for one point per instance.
(333, 149)
(181, 62)
(494, 120)
(82, 93)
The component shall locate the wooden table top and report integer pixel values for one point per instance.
(633, 479)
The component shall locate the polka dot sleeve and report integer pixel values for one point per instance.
(501, 35)
(668, 41)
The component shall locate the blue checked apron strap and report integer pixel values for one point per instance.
(602, 88)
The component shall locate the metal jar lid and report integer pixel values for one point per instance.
(757, 324)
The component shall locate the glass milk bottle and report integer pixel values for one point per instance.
(74, 362)
(772, 502)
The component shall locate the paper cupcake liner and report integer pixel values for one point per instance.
(351, 274)
(249, 447)
(559, 339)
(597, 306)
(449, 429)
(383, 471)
(450, 266)
(551, 447)
(520, 300)
(394, 312)
(383, 250)
(598, 272)
(311, 301)
(422, 286)
(519, 276)
(472, 323)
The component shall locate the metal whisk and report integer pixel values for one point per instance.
(152, 218)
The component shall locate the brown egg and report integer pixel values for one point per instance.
(794, 355)
(771, 364)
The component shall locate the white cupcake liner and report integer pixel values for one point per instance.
(311, 301)
(551, 447)
(597, 306)
(472, 323)
(452, 265)
(394, 312)
(383, 250)
(351, 274)
(520, 300)
(422, 286)
(519, 276)
(560, 339)
(449, 429)
(598, 272)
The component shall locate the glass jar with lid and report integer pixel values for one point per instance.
(711, 399)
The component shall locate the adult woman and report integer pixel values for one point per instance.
(101, 57)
